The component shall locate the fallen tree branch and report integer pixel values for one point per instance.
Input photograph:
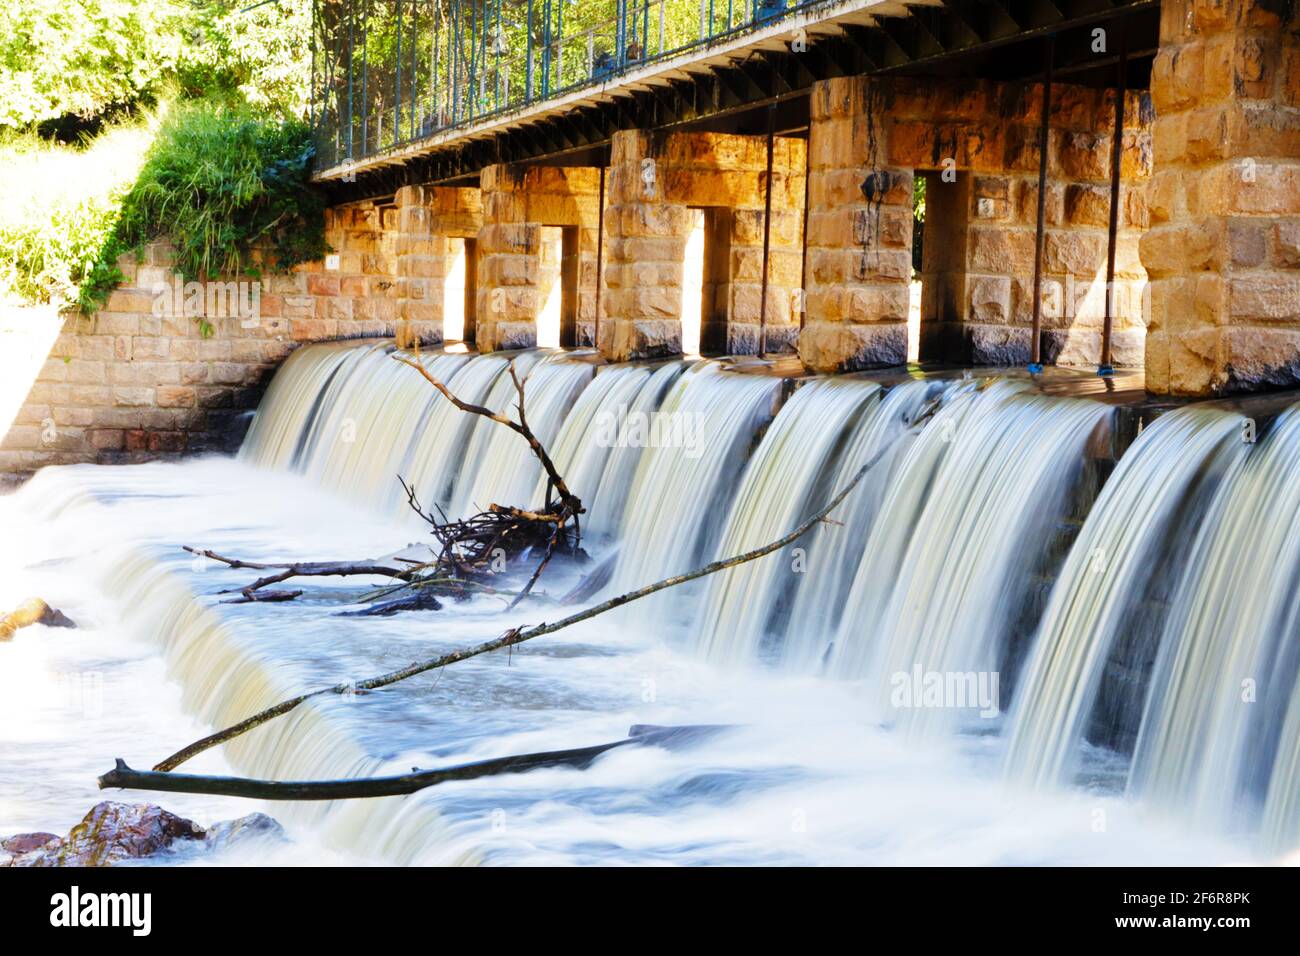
(251, 596)
(125, 778)
(553, 477)
(388, 566)
(514, 635)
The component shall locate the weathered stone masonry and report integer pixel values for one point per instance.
(869, 137)
(1224, 247)
(513, 279)
(654, 183)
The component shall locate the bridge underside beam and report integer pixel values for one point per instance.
(962, 37)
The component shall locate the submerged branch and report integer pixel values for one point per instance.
(516, 635)
(124, 777)
(553, 477)
(382, 567)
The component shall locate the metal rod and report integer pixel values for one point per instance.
(803, 241)
(365, 80)
(767, 232)
(1035, 352)
(528, 75)
(397, 79)
(600, 251)
(1116, 157)
(415, 65)
(433, 65)
(311, 97)
(351, 72)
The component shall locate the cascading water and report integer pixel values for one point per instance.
(602, 438)
(439, 446)
(696, 448)
(1103, 598)
(834, 549)
(353, 416)
(1212, 743)
(785, 479)
(499, 468)
(998, 483)
(1177, 589)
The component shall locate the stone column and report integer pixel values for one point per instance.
(421, 265)
(655, 186)
(1224, 245)
(859, 234)
(518, 202)
(645, 242)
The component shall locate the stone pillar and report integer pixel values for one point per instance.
(518, 202)
(420, 260)
(1224, 246)
(859, 234)
(645, 243)
(653, 189)
(428, 217)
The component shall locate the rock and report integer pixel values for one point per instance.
(114, 832)
(26, 842)
(255, 826)
(32, 611)
(111, 833)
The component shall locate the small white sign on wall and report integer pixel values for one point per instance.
(332, 262)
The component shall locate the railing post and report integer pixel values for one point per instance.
(1116, 158)
(1035, 351)
(311, 95)
(528, 75)
(546, 47)
(351, 41)
(559, 47)
(397, 78)
(767, 231)
(620, 33)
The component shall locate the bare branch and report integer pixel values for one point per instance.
(515, 635)
(520, 427)
(124, 777)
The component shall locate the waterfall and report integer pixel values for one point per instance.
(1107, 592)
(438, 451)
(949, 568)
(1226, 670)
(834, 549)
(1137, 626)
(697, 447)
(347, 419)
(300, 389)
(499, 467)
(600, 443)
(785, 479)
(224, 681)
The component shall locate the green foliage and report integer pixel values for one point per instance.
(58, 207)
(918, 227)
(84, 59)
(220, 182)
(250, 54)
(69, 64)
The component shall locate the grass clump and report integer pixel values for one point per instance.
(222, 182)
(59, 206)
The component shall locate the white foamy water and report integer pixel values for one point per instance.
(938, 542)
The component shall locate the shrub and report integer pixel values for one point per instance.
(80, 61)
(219, 181)
(58, 208)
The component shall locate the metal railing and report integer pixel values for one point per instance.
(386, 73)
